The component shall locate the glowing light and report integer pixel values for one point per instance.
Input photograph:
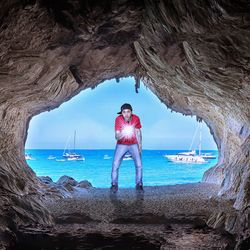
(128, 131)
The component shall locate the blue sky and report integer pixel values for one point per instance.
(92, 113)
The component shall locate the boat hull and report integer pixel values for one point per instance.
(185, 158)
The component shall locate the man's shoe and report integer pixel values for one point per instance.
(114, 188)
(139, 187)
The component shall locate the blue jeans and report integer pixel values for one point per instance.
(120, 151)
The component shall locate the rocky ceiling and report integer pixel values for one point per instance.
(194, 55)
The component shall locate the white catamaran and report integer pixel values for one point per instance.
(72, 156)
(191, 156)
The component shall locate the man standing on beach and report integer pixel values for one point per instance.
(129, 139)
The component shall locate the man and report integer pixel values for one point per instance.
(129, 139)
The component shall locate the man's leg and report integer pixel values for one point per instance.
(120, 151)
(134, 151)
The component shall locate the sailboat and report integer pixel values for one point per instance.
(208, 156)
(72, 156)
(186, 158)
(106, 157)
(127, 157)
(29, 157)
(190, 156)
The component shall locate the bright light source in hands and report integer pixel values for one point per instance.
(127, 131)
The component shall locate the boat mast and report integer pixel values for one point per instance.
(67, 145)
(200, 140)
(75, 141)
(194, 136)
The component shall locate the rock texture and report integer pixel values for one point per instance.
(194, 55)
(65, 187)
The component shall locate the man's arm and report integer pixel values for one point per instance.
(118, 135)
(139, 138)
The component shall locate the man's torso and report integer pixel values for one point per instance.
(127, 129)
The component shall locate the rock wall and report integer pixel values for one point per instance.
(194, 55)
(197, 63)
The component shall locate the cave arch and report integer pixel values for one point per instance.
(91, 114)
(193, 55)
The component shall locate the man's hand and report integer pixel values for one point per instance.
(118, 135)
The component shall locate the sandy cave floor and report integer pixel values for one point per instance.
(163, 217)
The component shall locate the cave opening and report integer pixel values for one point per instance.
(85, 125)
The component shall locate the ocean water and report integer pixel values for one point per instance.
(157, 170)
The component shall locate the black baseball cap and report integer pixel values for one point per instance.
(125, 106)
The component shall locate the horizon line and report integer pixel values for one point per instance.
(109, 149)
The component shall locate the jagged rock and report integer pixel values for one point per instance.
(65, 187)
(84, 184)
(67, 181)
(45, 179)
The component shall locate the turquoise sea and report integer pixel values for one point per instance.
(157, 170)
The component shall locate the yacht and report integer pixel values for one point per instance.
(186, 157)
(29, 157)
(190, 156)
(208, 156)
(72, 156)
(127, 157)
(106, 157)
(51, 157)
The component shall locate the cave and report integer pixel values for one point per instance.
(91, 114)
(193, 55)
